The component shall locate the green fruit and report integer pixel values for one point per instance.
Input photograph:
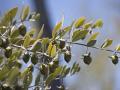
(34, 59)
(5, 42)
(114, 59)
(62, 44)
(26, 57)
(8, 52)
(67, 56)
(87, 58)
(61, 87)
(44, 69)
(31, 68)
(22, 30)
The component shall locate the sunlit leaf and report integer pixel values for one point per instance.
(41, 32)
(53, 51)
(57, 28)
(79, 22)
(14, 33)
(117, 48)
(14, 72)
(27, 41)
(98, 24)
(25, 12)
(36, 46)
(4, 72)
(52, 76)
(107, 43)
(79, 34)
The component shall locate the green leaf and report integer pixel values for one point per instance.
(79, 34)
(79, 22)
(9, 16)
(53, 75)
(4, 72)
(14, 33)
(57, 28)
(13, 74)
(53, 51)
(36, 46)
(87, 25)
(41, 32)
(92, 39)
(117, 48)
(98, 24)
(1, 59)
(25, 12)
(27, 80)
(27, 41)
(91, 43)
(107, 43)
(93, 36)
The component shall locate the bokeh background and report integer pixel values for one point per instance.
(101, 74)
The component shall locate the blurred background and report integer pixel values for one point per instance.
(101, 74)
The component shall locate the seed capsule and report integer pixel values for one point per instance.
(44, 69)
(26, 57)
(87, 58)
(67, 56)
(22, 30)
(8, 52)
(114, 59)
(34, 59)
(62, 44)
(5, 42)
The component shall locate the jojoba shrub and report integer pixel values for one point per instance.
(19, 46)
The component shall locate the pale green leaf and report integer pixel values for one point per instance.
(98, 24)
(117, 48)
(41, 32)
(107, 43)
(25, 12)
(36, 46)
(79, 22)
(79, 34)
(53, 51)
(27, 40)
(14, 72)
(93, 36)
(4, 72)
(14, 33)
(53, 75)
(57, 28)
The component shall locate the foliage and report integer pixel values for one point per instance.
(19, 46)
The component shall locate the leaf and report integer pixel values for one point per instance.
(92, 40)
(98, 24)
(27, 80)
(14, 72)
(27, 41)
(49, 49)
(57, 28)
(9, 16)
(79, 22)
(4, 72)
(25, 12)
(41, 32)
(107, 43)
(91, 43)
(87, 25)
(117, 48)
(1, 59)
(79, 34)
(53, 51)
(93, 37)
(14, 33)
(36, 46)
(52, 76)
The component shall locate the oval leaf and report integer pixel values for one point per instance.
(79, 22)
(79, 34)
(107, 43)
